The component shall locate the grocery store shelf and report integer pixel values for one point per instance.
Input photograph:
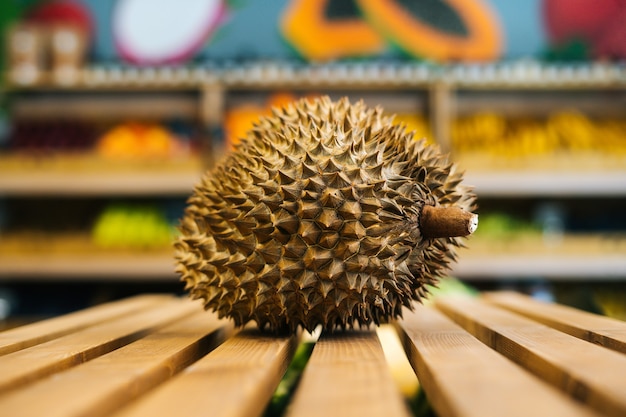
(107, 106)
(371, 75)
(555, 267)
(157, 267)
(547, 183)
(98, 183)
(177, 182)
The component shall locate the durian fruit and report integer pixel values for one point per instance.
(325, 214)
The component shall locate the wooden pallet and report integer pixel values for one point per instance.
(502, 354)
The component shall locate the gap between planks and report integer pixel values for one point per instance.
(238, 378)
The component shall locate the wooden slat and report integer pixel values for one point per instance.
(99, 183)
(347, 375)
(236, 379)
(106, 106)
(110, 381)
(29, 364)
(594, 328)
(43, 331)
(590, 373)
(463, 377)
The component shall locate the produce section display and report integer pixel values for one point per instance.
(137, 141)
(91, 227)
(564, 139)
(551, 226)
(127, 141)
(119, 155)
(40, 137)
(133, 227)
(239, 119)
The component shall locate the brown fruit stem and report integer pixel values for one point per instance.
(447, 222)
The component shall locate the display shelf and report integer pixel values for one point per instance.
(540, 102)
(86, 183)
(159, 267)
(106, 106)
(576, 258)
(541, 266)
(547, 183)
(371, 75)
(99, 265)
(67, 256)
(531, 255)
(203, 92)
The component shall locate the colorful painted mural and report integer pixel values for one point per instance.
(582, 29)
(154, 32)
(438, 30)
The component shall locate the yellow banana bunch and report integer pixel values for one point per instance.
(561, 132)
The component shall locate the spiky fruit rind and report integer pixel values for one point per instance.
(314, 219)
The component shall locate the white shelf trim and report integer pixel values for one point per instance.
(557, 267)
(546, 183)
(86, 183)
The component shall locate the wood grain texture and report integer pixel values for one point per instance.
(43, 331)
(592, 374)
(29, 364)
(347, 375)
(604, 331)
(110, 381)
(236, 379)
(463, 377)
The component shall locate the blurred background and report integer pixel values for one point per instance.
(110, 111)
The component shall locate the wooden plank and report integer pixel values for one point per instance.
(43, 331)
(236, 379)
(154, 106)
(604, 331)
(347, 375)
(27, 365)
(589, 373)
(110, 381)
(464, 378)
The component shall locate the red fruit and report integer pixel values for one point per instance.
(579, 19)
(612, 43)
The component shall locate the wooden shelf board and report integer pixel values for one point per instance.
(555, 267)
(158, 267)
(547, 183)
(373, 75)
(105, 106)
(168, 180)
(99, 183)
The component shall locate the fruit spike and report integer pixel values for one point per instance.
(325, 214)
